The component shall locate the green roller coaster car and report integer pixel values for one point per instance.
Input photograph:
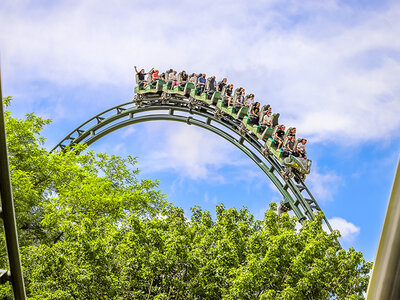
(178, 89)
(209, 98)
(184, 91)
(215, 96)
(256, 129)
(236, 112)
(266, 134)
(300, 164)
(150, 88)
(223, 105)
(240, 112)
(303, 166)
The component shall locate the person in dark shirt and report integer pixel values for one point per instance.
(184, 78)
(140, 74)
(221, 84)
(290, 144)
(255, 113)
(292, 132)
(228, 93)
(279, 135)
(211, 87)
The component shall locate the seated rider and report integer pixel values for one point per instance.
(290, 145)
(255, 113)
(212, 86)
(201, 83)
(193, 78)
(184, 78)
(249, 100)
(279, 135)
(292, 132)
(301, 149)
(141, 75)
(228, 93)
(173, 78)
(267, 120)
(241, 96)
(154, 77)
(221, 84)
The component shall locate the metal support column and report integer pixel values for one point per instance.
(8, 215)
(385, 278)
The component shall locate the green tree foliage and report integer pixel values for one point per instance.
(90, 229)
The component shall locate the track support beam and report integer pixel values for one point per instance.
(8, 215)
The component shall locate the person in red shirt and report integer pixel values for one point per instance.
(154, 77)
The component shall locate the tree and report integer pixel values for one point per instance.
(91, 229)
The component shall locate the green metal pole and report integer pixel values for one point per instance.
(385, 278)
(8, 214)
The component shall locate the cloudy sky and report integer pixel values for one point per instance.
(331, 68)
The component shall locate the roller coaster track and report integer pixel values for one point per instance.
(296, 196)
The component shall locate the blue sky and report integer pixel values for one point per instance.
(331, 68)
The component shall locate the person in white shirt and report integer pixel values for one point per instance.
(173, 78)
(301, 148)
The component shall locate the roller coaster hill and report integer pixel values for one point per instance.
(228, 113)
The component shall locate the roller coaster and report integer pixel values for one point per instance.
(206, 107)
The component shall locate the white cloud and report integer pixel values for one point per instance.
(329, 68)
(348, 230)
(189, 151)
(323, 185)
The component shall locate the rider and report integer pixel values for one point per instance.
(154, 77)
(255, 113)
(173, 78)
(301, 148)
(292, 132)
(193, 78)
(141, 74)
(212, 86)
(267, 120)
(279, 135)
(249, 100)
(228, 93)
(184, 78)
(290, 144)
(202, 83)
(221, 84)
(241, 96)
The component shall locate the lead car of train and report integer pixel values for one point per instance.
(294, 166)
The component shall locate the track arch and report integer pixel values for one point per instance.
(296, 197)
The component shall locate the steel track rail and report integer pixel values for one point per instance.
(296, 197)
